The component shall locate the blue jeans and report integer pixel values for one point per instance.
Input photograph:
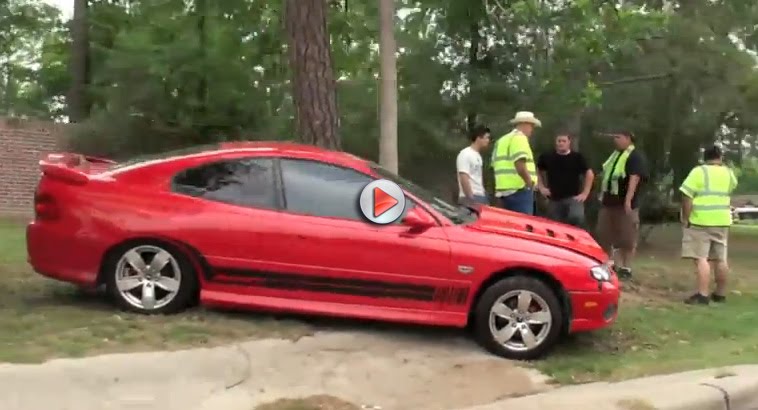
(520, 201)
(567, 210)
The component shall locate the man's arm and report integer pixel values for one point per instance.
(686, 209)
(688, 189)
(634, 181)
(464, 178)
(463, 165)
(589, 176)
(523, 172)
(636, 172)
(732, 180)
(542, 181)
(542, 173)
(520, 151)
(494, 152)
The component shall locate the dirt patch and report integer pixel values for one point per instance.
(635, 404)
(319, 402)
(370, 369)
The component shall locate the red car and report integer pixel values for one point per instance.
(276, 226)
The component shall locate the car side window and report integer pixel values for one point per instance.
(320, 189)
(244, 182)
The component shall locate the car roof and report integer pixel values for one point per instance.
(232, 149)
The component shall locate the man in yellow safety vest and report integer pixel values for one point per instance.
(706, 215)
(513, 164)
(618, 219)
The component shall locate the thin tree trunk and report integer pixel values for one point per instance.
(202, 86)
(473, 62)
(388, 156)
(78, 104)
(315, 94)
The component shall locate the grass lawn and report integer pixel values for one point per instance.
(656, 332)
(41, 318)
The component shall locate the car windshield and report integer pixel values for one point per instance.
(456, 214)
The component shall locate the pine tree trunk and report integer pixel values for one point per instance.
(78, 102)
(315, 94)
(388, 156)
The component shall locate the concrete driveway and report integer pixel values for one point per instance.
(373, 368)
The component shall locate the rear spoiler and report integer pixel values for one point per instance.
(72, 168)
(73, 160)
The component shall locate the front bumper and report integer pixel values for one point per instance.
(593, 310)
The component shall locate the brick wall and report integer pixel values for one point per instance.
(22, 145)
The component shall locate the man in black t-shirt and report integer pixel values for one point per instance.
(618, 220)
(565, 180)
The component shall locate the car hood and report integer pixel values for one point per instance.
(514, 224)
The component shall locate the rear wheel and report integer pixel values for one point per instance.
(150, 278)
(518, 318)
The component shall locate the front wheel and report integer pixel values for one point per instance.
(150, 278)
(518, 318)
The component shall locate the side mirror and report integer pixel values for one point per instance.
(417, 218)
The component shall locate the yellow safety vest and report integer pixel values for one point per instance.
(508, 149)
(710, 187)
(614, 170)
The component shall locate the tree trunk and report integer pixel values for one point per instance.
(388, 156)
(202, 87)
(315, 94)
(473, 63)
(78, 101)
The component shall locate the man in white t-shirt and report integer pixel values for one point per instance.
(469, 167)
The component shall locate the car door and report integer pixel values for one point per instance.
(230, 214)
(334, 255)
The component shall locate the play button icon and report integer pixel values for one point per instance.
(382, 202)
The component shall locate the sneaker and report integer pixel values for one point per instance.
(697, 299)
(718, 298)
(624, 273)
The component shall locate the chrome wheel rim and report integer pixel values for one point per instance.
(148, 277)
(520, 320)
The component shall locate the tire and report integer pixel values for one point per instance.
(507, 293)
(173, 287)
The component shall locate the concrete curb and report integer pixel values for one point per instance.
(731, 388)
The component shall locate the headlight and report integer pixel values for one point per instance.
(601, 273)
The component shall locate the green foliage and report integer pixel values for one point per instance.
(748, 177)
(173, 72)
(31, 32)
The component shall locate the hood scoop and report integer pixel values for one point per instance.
(549, 232)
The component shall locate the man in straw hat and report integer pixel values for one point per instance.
(513, 163)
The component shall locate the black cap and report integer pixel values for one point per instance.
(624, 132)
(712, 152)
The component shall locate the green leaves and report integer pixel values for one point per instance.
(592, 95)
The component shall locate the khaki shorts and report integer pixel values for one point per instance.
(702, 242)
(616, 228)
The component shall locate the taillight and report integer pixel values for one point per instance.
(45, 207)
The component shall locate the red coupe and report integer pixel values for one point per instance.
(276, 226)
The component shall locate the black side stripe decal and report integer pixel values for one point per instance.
(355, 287)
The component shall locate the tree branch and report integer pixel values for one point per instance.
(637, 79)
